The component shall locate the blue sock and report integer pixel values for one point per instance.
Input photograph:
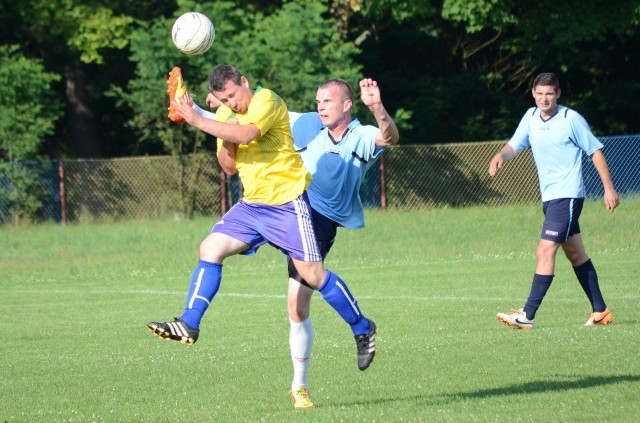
(588, 279)
(335, 292)
(539, 288)
(205, 282)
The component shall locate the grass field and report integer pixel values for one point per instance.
(76, 300)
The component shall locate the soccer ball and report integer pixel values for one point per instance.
(193, 33)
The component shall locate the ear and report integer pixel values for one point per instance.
(347, 105)
(244, 81)
(559, 92)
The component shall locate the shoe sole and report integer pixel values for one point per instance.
(512, 324)
(301, 408)
(165, 336)
(173, 84)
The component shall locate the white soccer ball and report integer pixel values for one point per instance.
(193, 33)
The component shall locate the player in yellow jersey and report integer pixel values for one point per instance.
(257, 144)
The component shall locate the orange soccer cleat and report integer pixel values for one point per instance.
(599, 318)
(177, 92)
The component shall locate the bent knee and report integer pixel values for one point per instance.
(299, 311)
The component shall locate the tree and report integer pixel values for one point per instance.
(29, 112)
(29, 105)
(81, 41)
(293, 62)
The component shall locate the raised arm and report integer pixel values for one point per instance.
(370, 95)
(230, 132)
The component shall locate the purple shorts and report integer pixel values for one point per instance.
(561, 219)
(287, 227)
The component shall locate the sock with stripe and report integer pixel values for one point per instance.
(205, 283)
(300, 343)
(588, 278)
(539, 288)
(335, 292)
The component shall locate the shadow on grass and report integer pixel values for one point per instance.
(539, 386)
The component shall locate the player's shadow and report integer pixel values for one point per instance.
(533, 387)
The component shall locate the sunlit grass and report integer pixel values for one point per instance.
(76, 301)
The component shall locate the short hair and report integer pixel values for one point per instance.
(548, 79)
(221, 74)
(347, 92)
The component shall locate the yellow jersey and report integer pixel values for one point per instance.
(270, 169)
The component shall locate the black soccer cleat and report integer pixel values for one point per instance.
(178, 330)
(366, 346)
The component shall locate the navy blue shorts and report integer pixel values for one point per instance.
(287, 227)
(325, 230)
(561, 219)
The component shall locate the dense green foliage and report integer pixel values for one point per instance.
(77, 348)
(29, 107)
(450, 70)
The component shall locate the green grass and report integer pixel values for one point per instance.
(76, 300)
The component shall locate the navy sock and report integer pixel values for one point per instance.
(539, 288)
(335, 292)
(205, 282)
(588, 278)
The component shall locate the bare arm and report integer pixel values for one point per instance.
(504, 155)
(227, 158)
(230, 132)
(611, 199)
(370, 95)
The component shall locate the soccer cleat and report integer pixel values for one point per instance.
(599, 318)
(301, 399)
(366, 346)
(517, 319)
(177, 92)
(178, 330)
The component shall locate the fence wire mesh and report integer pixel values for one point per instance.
(405, 177)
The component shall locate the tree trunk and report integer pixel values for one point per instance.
(86, 140)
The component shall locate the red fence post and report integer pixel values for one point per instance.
(383, 186)
(223, 192)
(63, 202)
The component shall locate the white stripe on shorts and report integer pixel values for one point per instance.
(305, 226)
(570, 219)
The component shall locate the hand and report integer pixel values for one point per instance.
(496, 163)
(370, 92)
(187, 112)
(611, 200)
(213, 102)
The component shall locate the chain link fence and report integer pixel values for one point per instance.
(405, 177)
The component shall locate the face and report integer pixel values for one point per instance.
(332, 106)
(234, 96)
(546, 98)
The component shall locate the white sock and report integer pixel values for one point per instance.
(301, 343)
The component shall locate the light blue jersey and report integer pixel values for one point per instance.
(557, 145)
(337, 169)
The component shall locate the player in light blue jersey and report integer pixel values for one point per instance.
(337, 150)
(557, 137)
